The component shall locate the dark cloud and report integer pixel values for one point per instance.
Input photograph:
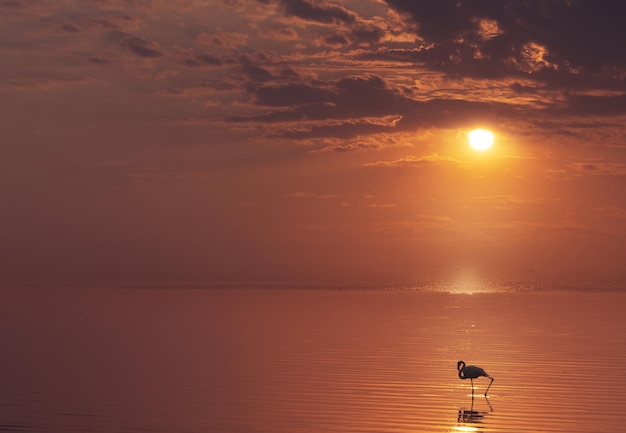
(141, 47)
(522, 89)
(98, 61)
(351, 31)
(459, 60)
(598, 105)
(580, 31)
(585, 32)
(486, 38)
(367, 34)
(289, 72)
(335, 40)
(70, 28)
(253, 71)
(348, 97)
(442, 20)
(358, 36)
(98, 24)
(321, 12)
(202, 60)
(12, 5)
(361, 105)
(282, 33)
(292, 94)
(452, 58)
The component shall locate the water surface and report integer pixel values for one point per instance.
(278, 361)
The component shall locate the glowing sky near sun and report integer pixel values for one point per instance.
(311, 140)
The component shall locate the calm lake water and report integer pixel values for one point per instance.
(278, 361)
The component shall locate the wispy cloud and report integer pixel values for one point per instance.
(415, 161)
(308, 194)
(381, 205)
(600, 168)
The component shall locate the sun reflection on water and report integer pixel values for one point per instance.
(464, 428)
(467, 281)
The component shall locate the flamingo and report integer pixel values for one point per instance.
(472, 372)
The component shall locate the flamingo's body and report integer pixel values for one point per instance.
(472, 372)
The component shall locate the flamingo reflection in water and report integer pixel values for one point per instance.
(472, 372)
(473, 416)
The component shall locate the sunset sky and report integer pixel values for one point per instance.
(311, 140)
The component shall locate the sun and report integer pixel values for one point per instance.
(480, 139)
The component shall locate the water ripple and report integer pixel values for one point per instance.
(311, 361)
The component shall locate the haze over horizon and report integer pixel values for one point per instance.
(311, 140)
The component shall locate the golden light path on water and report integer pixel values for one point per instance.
(281, 361)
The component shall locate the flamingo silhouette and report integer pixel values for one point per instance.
(472, 372)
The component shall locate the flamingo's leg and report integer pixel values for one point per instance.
(489, 386)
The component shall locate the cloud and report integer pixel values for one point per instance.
(356, 105)
(549, 40)
(200, 60)
(319, 11)
(292, 94)
(522, 89)
(371, 142)
(302, 194)
(414, 161)
(12, 5)
(343, 129)
(110, 22)
(564, 27)
(22, 7)
(506, 202)
(54, 81)
(71, 28)
(383, 206)
(223, 40)
(98, 61)
(103, 22)
(350, 97)
(358, 35)
(597, 105)
(600, 168)
(142, 47)
(367, 34)
(280, 34)
(253, 71)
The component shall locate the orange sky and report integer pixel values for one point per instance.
(311, 140)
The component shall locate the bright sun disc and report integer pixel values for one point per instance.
(480, 139)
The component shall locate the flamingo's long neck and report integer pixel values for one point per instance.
(461, 367)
